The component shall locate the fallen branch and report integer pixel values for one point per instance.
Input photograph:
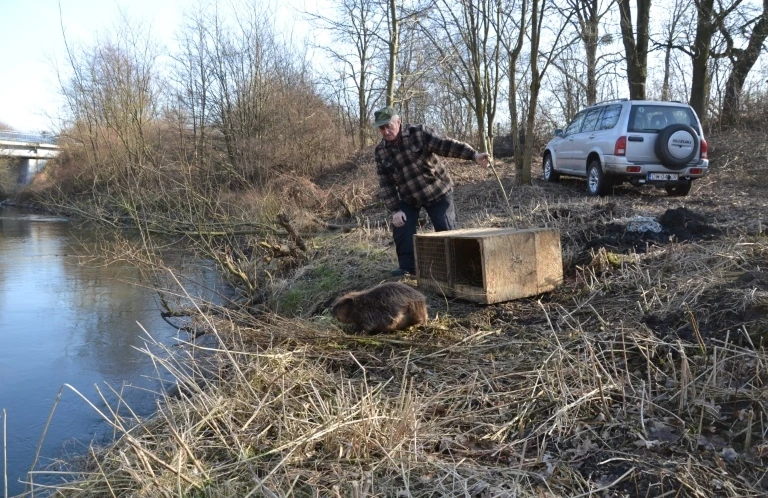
(285, 222)
(346, 227)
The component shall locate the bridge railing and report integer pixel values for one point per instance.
(37, 138)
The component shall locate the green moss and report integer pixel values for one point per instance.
(368, 341)
(614, 259)
(340, 264)
(304, 293)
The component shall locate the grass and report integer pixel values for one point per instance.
(305, 292)
(340, 263)
(644, 374)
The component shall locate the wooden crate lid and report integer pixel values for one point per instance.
(480, 232)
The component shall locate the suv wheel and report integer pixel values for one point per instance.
(677, 145)
(550, 174)
(597, 183)
(679, 190)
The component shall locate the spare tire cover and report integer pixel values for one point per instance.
(677, 145)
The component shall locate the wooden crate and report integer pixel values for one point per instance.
(489, 265)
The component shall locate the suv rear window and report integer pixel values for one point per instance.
(651, 118)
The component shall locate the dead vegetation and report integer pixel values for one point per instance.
(643, 375)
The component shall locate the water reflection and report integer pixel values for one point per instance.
(64, 322)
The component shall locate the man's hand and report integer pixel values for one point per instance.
(398, 219)
(483, 158)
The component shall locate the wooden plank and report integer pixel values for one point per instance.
(510, 263)
(473, 232)
(549, 260)
(449, 262)
(472, 293)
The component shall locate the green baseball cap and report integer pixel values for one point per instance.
(384, 116)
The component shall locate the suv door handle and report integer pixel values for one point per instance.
(635, 139)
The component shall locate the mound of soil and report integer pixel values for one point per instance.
(677, 225)
(684, 224)
(302, 191)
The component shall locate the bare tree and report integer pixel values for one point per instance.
(743, 59)
(671, 35)
(708, 19)
(393, 43)
(403, 76)
(194, 79)
(355, 27)
(570, 79)
(538, 11)
(512, 33)
(244, 61)
(111, 98)
(412, 70)
(449, 106)
(471, 48)
(635, 45)
(589, 14)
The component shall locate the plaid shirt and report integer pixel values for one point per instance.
(411, 170)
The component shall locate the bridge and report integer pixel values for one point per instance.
(29, 152)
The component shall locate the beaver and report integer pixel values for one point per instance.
(383, 308)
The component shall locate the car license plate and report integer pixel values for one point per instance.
(662, 176)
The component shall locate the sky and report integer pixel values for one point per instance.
(32, 35)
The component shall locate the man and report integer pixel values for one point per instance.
(412, 176)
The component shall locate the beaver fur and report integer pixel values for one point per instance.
(383, 308)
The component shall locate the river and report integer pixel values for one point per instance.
(66, 322)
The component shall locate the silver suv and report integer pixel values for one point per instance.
(643, 142)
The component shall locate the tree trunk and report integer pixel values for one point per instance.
(589, 35)
(525, 178)
(362, 103)
(591, 49)
(679, 10)
(667, 61)
(477, 91)
(636, 48)
(700, 59)
(742, 65)
(513, 54)
(477, 56)
(394, 41)
(517, 149)
(492, 81)
(707, 22)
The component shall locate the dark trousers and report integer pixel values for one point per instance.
(443, 216)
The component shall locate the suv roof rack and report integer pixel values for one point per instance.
(610, 100)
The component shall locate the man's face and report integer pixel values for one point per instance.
(390, 130)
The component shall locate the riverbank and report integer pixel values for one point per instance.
(642, 375)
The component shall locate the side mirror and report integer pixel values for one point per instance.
(558, 132)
